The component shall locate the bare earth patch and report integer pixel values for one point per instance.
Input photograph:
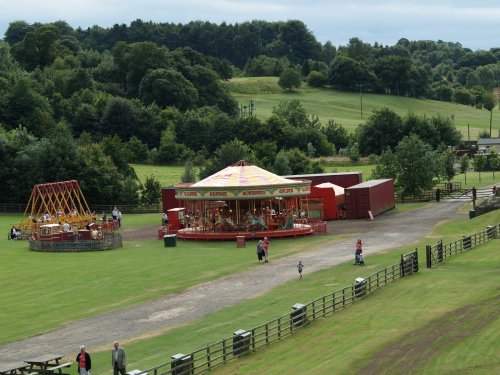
(422, 345)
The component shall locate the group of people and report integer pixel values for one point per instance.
(263, 250)
(118, 360)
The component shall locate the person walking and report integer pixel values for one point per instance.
(84, 362)
(265, 244)
(118, 359)
(359, 250)
(300, 268)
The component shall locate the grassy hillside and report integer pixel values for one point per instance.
(344, 107)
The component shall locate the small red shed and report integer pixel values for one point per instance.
(376, 196)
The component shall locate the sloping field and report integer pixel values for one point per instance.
(345, 107)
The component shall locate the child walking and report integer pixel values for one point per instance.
(300, 267)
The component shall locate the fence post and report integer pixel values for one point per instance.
(440, 250)
(415, 261)
(402, 266)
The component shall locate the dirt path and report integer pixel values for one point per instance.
(151, 318)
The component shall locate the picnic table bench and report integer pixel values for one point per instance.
(47, 364)
(13, 368)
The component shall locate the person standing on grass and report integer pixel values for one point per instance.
(359, 250)
(83, 361)
(265, 244)
(260, 251)
(300, 267)
(118, 359)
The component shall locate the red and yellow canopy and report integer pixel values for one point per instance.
(243, 181)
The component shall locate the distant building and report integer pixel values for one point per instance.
(485, 145)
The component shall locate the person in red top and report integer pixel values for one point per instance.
(359, 251)
(84, 362)
(266, 244)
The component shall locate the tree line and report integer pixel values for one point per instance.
(83, 104)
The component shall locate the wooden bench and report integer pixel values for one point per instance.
(58, 367)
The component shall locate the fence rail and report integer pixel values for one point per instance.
(439, 251)
(244, 341)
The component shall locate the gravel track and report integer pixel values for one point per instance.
(149, 318)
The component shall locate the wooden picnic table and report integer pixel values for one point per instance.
(13, 368)
(47, 364)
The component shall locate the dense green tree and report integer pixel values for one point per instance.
(336, 134)
(38, 48)
(86, 119)
(345, 72)
(413, 165)
(226, 155)
(448, 164)
(189, 174)
(448, 133)
(138, 150)
(117, 150)
(383, 129)
(394, 72)
(463, 96)
(167, 87)
(168, 152)
(120, 117)
(290, 79)
(151, 191)
(282, 164)
(316, 79)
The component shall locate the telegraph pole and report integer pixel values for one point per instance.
(360, 85)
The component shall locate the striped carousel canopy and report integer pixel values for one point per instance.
(243, 180)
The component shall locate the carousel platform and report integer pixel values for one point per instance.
(208, 235)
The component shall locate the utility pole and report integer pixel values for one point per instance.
(360, 85)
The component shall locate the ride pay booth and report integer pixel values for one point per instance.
(176, 219)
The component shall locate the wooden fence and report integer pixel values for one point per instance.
(244, 341)
(439, 251)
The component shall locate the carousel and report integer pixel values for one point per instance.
(242, 201)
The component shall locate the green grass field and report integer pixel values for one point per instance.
(344, 107)
(343, 342)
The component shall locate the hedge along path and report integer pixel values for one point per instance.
(154, 317)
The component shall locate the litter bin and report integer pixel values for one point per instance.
(466, 242)
(298, 316)
(491, 231)
(359, 287)
(472, 214)
(241, 342)
(170, 240)
(182, 364)
(240, 241)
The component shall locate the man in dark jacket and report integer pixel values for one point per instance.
(118, 360)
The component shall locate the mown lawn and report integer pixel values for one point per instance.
(140, 271)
